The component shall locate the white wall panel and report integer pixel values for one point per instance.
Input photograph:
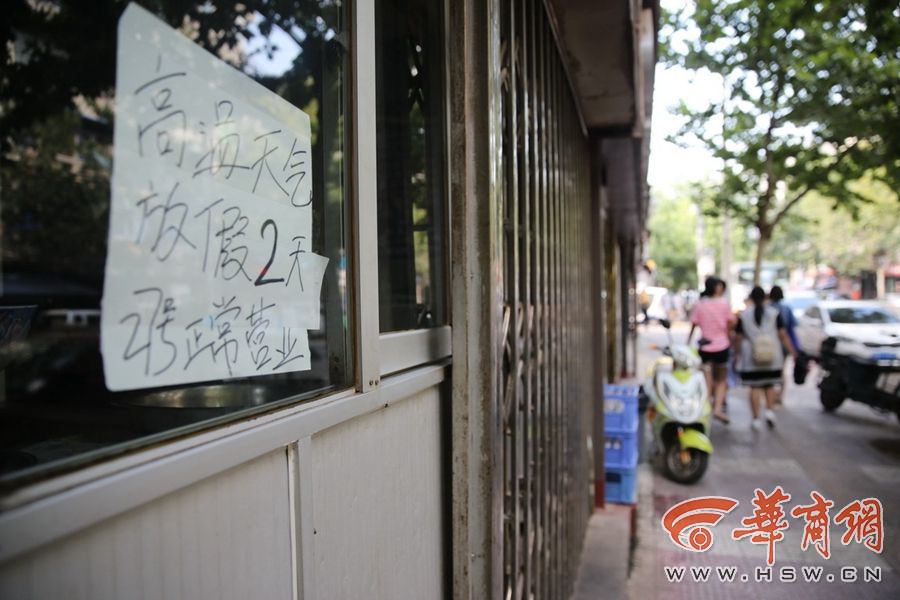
(225, 537)
(377, 501)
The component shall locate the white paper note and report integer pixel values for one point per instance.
(209, 271)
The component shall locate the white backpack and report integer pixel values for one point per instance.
(764, 349)
(763, 340)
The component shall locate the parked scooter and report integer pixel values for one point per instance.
(679, 412)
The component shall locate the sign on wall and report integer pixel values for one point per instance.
(209, 271)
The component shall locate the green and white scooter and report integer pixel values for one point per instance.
(679, 412)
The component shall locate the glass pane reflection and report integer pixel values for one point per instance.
(410, 131)
(57, 115)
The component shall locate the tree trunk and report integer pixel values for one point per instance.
(761, 244)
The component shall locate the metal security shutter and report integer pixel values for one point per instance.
(547, 330)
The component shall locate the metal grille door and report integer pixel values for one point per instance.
(547, 327)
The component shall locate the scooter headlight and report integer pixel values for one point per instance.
(685, 402)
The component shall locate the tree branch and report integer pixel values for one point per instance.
(767, 143)
(790, 204)
(809, 187)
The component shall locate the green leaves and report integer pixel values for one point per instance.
(673, 226)
(810, 99)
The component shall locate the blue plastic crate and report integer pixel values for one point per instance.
(620, 406)
(620, 449)
(614, 389)
(621, 485)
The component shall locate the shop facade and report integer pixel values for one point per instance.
(468, 191)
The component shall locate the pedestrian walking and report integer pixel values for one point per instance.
(760, 345)
(644, 280)
(712, 314)
(776, 301)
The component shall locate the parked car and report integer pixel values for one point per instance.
(857, 345)
(798, 302)
(860, 328)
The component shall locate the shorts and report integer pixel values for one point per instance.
(760, 379)
(716, 358)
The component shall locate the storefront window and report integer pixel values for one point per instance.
(58, 108)
(411, 174)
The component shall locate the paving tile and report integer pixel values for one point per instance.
(854, 453)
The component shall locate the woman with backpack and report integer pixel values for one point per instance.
(760, 344)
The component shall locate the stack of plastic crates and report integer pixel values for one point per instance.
(620, 413)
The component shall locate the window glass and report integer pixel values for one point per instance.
(860, 315)
(813, 313)
(798, 303)
(57, 112)
(411, 185)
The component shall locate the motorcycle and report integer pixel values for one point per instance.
(873, 379)
(679, 411)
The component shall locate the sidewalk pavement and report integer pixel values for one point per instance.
(807, 451)
(609, 540)
(743, 461)
(604, 567)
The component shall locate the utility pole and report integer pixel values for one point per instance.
(706, 263)
(880, 265)
(726, 253)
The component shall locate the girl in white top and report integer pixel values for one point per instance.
(759, 356)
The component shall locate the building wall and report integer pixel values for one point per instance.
(226, 537)
(378, 504)
(353, 508)
(344, 496)
(614, 309)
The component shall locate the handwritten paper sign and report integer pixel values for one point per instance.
(209, 272)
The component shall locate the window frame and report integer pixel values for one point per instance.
(405, 349)
(55, 505)
(375, 354)
(13, 482)
(364, 195)
(379, 354)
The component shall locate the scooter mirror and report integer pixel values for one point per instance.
(665, 323)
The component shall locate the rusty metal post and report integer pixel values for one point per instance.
(473, 54)
(598, 303)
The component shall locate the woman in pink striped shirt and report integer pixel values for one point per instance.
(714, 318)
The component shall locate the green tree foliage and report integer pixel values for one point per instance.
(673, 228)
(48, 59)
(809, 102)
(847, 243)
(703, 196)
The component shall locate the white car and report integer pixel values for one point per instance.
(863, 330)
(798, 302)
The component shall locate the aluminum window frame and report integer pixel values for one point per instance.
(406, 349)
(22, 483)
(384, 353)
(41, 514)
(431, 337)
(375, 354)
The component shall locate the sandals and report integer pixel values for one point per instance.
(722, 418)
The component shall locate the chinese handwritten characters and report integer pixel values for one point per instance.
(210, 271)
(689, 523)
